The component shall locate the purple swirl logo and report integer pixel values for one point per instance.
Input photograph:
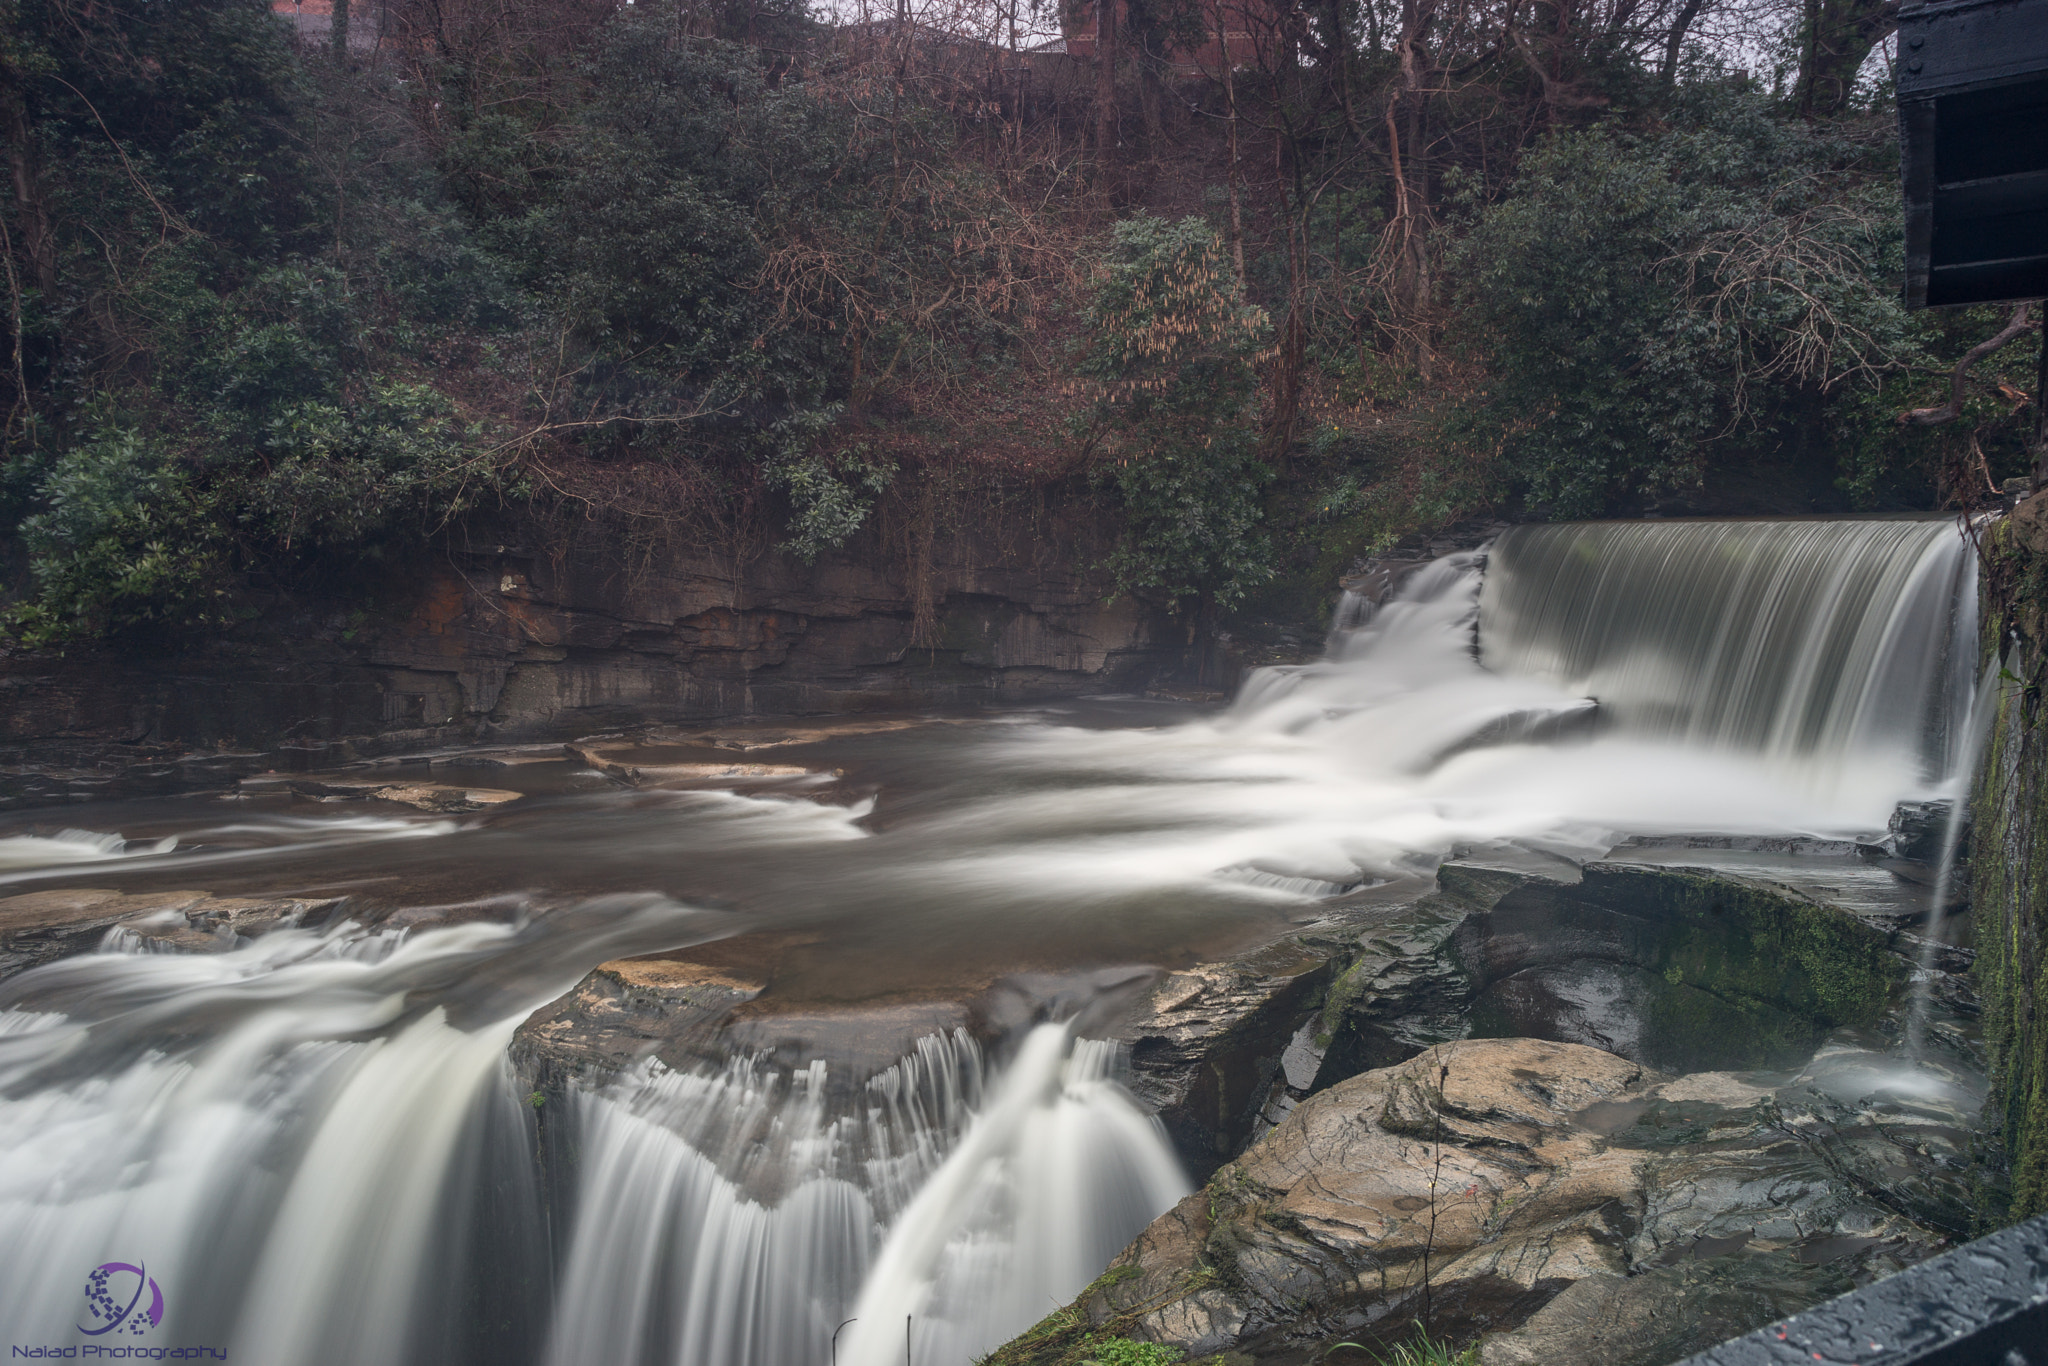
(104, 1290)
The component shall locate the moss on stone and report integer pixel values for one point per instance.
(1750, 945)
(1066, 1337)
(2009, 871)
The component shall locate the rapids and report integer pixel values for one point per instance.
(313, 1140)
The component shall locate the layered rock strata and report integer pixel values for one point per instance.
(522, 629)
(1475, 1185)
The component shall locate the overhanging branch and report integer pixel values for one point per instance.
(2018, 325)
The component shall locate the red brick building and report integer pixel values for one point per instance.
(1234, 26)
(313, 21)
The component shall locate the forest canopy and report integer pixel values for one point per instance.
(285, 306)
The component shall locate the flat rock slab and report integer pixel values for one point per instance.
(446, 798)
(661, 765)
(752, 737)
(40, 927)
(702, 1005)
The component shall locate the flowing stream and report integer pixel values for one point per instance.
(313, 1143)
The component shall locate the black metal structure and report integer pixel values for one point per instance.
(1973, 118)
(1983, 1304)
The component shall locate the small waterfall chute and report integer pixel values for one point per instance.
(734, 1215)
(1049, 1182)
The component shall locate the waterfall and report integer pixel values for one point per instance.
(1050, 1182)
(309, 1142)
(736, 1216)
(1824, 645)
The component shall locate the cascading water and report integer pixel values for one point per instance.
(1830, 647)
(285, 1135)
(311, 1141)
(732, 1216)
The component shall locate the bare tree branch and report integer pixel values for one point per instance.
(2020, 323)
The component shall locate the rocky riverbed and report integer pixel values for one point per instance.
(1675, 1106)
(1555, 1200)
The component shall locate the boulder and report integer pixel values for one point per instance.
(1469, 1187)
(630, 1008)
(1208, 1043)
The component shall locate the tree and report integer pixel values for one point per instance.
(1835, 38)
(1173, 350)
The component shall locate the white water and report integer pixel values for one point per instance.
(73, 846)
(310, 1139)
(1836, 666)
(737, 1217)
(1048, 1183)
(1976, 729)
(290, 1145)
(27, 857)
(1828, 647)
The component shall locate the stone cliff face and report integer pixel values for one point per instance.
(2009, 866)
(510, 628)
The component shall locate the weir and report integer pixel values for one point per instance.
(1818, 644)
(315, 1135)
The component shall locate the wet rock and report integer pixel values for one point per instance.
(1375, 580)
(40, 927)
(1866, 880)
(1920, 830)
(706, 1004)
(534, 628)
(1900, 1133)
(1579, 719)
(1679, 969)
(746, 738)
(1407, 989)
(445, 798)
(646, 765)
(1207, 1043)
(630, 1008)
(1663, 1314)
(1528, 1167)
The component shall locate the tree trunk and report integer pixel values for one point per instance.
(38, 237)
(1105, 80)
(1405, 135)
(1675, 40)
(1017, 101)
(340, 34)
(1232, 179)
(1293, 349)
(1838, 35)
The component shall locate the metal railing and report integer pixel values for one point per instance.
(1982, 1304)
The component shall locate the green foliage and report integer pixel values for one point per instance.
(295, 314)
(1419, 1350)
(645, 228)
(1644, 295)
(830, 494)
(120, 539)
(227, 403)
(1127, 1352)
(1173, 347)
(1425, 1350)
